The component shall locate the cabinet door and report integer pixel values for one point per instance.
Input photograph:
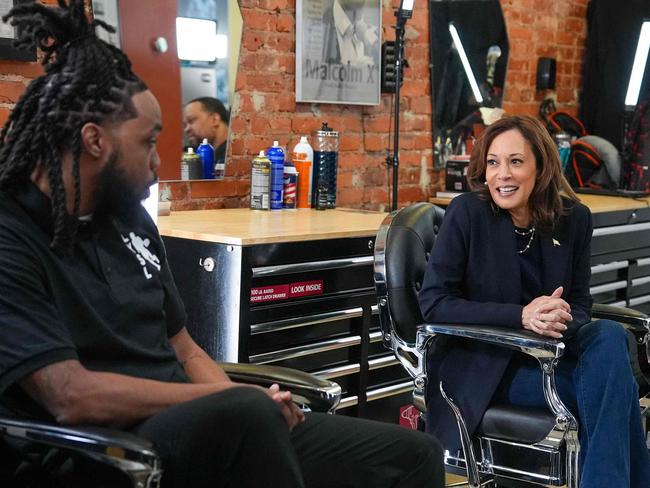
(142, 22)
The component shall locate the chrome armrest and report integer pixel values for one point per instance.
(545, 349)
(126, 452)
(637, 321)
(518, 339)
(316, 393)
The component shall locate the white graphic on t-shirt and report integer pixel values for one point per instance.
(140, 247)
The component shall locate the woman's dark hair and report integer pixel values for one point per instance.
(86, 80)
(545, 202)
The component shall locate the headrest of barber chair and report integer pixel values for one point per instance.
(409, 242)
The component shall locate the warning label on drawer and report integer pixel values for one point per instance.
(272, 293)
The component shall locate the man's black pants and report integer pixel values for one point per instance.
(238, 438)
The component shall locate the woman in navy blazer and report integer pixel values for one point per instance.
(515, 253)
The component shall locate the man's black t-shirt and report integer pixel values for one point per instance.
(112, 304)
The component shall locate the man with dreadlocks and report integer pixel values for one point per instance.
(92, 326)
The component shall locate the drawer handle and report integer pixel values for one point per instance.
(639, 300)
(641, 281)
(281, 269)
(382, 362)
(643, 262)
(306, 320)
(388, 391)
(621, 229)
(339, 371)
(346, 402)
(602, 268)
(617, 285)
(375, 336)
(305, 350)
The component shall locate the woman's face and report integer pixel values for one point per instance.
(510, 174)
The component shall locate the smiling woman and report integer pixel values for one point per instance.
(516, 167)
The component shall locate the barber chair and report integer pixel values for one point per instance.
(33, 452)
(513, 446)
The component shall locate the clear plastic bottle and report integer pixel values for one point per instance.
(326, 154)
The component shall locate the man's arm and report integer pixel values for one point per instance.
(199, 367)
(75, 395)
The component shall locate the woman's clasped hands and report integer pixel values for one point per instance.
(547, 315)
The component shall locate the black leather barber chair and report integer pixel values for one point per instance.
(513, 446)
(36, 454)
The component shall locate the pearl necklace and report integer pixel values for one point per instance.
(530, 232)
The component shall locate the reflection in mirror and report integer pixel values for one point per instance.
(209, 38)
(469, 57)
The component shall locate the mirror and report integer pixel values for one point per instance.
(151, 42)
(212, 73)
(469, 57)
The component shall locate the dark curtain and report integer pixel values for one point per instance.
(613, 32)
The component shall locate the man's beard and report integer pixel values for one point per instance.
(117, 194)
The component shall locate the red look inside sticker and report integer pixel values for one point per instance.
(272, 293)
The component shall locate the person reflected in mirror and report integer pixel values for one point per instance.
(93, 327)
(515, 253)
(207, 118)
(349, 38)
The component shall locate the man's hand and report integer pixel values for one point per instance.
(547, 315)
(290, 410)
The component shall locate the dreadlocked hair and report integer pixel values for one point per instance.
(86, 80)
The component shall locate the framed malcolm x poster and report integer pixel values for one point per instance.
(338, 51)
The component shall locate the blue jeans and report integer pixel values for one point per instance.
(594, 380)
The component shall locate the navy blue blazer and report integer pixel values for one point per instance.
(473, 277)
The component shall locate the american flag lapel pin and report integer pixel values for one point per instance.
(556, 242)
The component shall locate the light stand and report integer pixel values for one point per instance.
(403, 14)
(636, 76)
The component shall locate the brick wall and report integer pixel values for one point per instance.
(544, 28)
(265, 107)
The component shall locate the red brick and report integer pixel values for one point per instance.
(305, 125)
(4, 115)
(519, 34)
(180, 190)
(284, 23)
(257, 20)
(182, 205)
(237, 146)
(375, 142)
(28, 70)
(10, 91)
(252, 41)
(240, 167)
(276, 5)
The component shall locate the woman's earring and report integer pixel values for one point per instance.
(485, 182)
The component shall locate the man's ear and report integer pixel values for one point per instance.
(216, 120)
(94, 140)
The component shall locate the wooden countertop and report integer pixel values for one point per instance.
(242, 226)
(596, 203)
